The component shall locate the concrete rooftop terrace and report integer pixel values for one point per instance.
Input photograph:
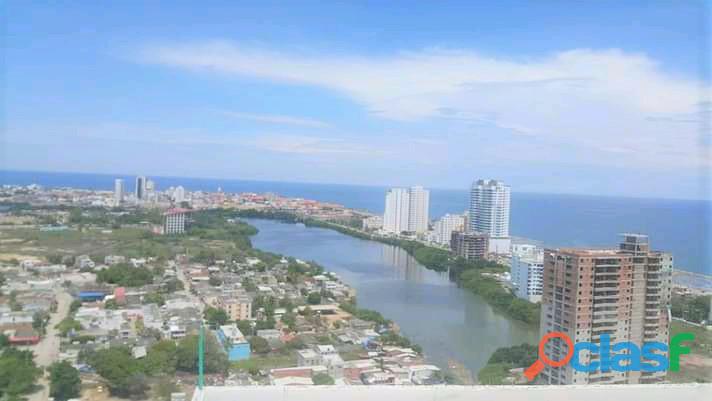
(651, 392)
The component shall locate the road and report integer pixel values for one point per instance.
(47, 351)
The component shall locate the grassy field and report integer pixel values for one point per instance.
(696, 366)
(266, 362)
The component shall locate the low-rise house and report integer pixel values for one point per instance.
(234, 341)
(308, 357)
(84, 262)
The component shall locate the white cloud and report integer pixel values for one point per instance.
(277, 119)
(309, 145)
(594, 101)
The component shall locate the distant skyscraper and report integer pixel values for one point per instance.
(489, 208)
(446, 225)
(140, 190)
(418, 216)
(407, 210)
(622, 293)
(179, 194)
(395, 219)
(118, 191)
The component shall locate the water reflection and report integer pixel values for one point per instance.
(448, 322)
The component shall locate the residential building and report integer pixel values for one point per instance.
(407, 209)
(528, 275)
(489, 213)
(445, 226)
(589, 294)
(418, 209)
(395, 218)
(235, 343)
(179, 194)
(469, 245)
(118, 191)
(238, 308)
(140, 189)
(174, 221)
(372, 223)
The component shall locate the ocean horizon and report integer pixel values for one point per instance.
(679, 226)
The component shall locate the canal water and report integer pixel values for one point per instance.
(448, 322)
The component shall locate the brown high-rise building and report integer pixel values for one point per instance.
(623, 292)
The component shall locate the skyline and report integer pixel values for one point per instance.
(613, 103)
(156, 179)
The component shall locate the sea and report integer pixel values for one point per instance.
(681, 227)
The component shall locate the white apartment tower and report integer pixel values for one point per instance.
(528, 275)
(407, 210)
(118, 191)
(395, 219)
(489, 208)
(418, 217)
(446, 225)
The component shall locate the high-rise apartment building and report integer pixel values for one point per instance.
(418, 216)
(489, 208)
(469, 245)
(406, 210)
(445, 226)
(174, 221)
(140, 190)
(395, 219)
(622, 293)
(118, 191)
(528, 275)
(179, 194)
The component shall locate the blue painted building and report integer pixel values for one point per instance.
(234, 342)
(91, 296)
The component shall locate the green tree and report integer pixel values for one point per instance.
(259, 345)
(314, 298)
(215, 316)
(215, 357)
(64, 381)
(39, 321)
(118, 367)
(322, 379)
(67, 325)
(215, 281)
(162, 358)
(245, 327)
(18, 372)
(154, 298)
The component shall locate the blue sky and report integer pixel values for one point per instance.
(601, 97)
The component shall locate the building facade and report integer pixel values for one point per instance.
(445, 226)
(489, 208)
(395, 218)
(174, 221)
(469, 245)
(528, 276)
(418, 209)
(118, 191)
(407, 209)
(140, 189)
(623, 293)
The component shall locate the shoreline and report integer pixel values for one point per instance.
(472, 275)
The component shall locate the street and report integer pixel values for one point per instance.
(47, 351)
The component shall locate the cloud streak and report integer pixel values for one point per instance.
(591, 100)
(277, 119)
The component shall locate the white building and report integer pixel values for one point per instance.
(418, 213)
(446, 225)
(489, 208)
(372, 223)
(118, 191)
(407, 209)
(174, 221)
(179, 194)
(395, 218)
(528, 275)
(489, 213)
